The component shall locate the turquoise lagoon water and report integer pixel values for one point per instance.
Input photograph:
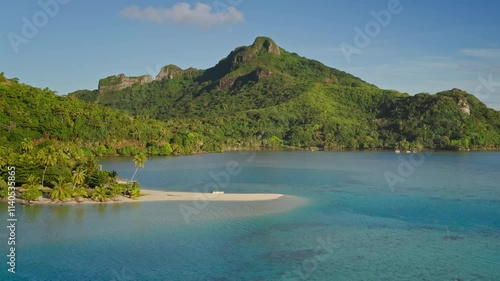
(341, 220)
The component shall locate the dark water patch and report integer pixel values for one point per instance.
(453, 238)
(354, 182)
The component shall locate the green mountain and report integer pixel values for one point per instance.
(263, 95)
(253, 77)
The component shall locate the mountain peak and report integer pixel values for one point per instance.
(261, 45)
(266, 43)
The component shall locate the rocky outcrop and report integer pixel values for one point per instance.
(255, 76)
(260, 44)
(171, 71)
(120, 81)
(462, 100)
(266, 44)
(464, 106)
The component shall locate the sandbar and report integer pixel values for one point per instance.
(148, 195)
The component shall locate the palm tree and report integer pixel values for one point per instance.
(78, 177)
(135, 191)
(100, 194)
(26, 145)
(31, 180)
(78, 193)
(25, 159)
(61, 190)
(90, 164)
(32, 192)
(48, 158)
(139, 160)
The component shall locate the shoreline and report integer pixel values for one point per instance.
(148, 195)
(316, 149)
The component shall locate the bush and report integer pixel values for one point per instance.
(98, 178)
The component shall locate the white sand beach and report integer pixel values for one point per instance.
(159, 195)
(156, 195)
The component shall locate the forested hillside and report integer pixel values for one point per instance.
(263, 96)
(49, 144)
(39, 115)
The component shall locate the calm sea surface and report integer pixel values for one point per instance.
(347, 216)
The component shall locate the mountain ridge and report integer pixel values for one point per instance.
(235, 65)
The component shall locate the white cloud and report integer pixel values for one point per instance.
(182, 13)
(482, 53)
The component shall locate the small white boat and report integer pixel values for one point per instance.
(217, 192)
(408, 151)
(397, 151)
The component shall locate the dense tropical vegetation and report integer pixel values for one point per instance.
(61, 172)
(264, 96)
(41, 115)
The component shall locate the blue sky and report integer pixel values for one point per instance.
(425, 46)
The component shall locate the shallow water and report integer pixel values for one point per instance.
(342, 221)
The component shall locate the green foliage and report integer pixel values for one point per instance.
(98, 178)
(115, 191)
(100, 194)
(78, 193)
(85, 95)
(32, 193)
(4, 190)
(135, 190)
(78, 177)
(54, 172)
(68, 173)
(61, 190)
(32, 115)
